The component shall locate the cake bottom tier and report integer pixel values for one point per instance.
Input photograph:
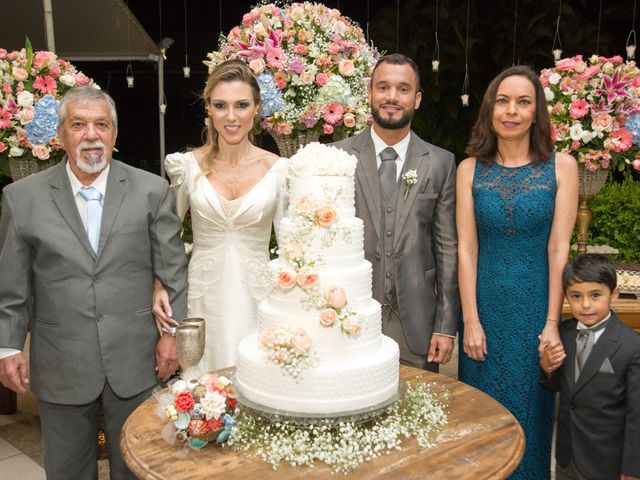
(330, 387)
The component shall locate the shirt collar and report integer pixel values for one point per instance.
(100, 183)
(400, 147)
(582, 326)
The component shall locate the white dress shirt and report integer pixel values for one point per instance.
(401, 149)
(596, 335)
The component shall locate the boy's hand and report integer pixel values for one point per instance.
(552, 357)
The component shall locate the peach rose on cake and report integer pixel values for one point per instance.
(326, 214)
(292, 251)
(300, 342)
(282, 356)
(286, 278)
(307, 278)
(335, 296)
(328, 317)
(268, 338)
(350, 326)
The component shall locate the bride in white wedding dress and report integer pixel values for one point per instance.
(235, 191)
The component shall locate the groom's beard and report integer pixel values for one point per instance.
(390, 123)
(91, 162)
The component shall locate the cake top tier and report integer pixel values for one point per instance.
(316, 159)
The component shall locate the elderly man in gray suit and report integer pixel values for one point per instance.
(80, 246)
(405, 194)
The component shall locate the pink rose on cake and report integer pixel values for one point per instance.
(326, 215)
(350, 326)
(300, 342)
(307, 278)
(328, 317)
(335, 296)
(292, 251)
(268, 338)
(286, 278)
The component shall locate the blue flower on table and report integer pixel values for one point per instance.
(45, 120)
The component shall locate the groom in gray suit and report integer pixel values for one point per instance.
(405, 194)
(80, 246)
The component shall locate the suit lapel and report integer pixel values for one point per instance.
(114, 195)
(570, 367)
(605, 347)
(416, 160)
(367, 176)
(65, 203)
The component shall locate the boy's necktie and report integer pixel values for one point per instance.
(584, 344)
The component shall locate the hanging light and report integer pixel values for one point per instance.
(557, 50)
(130, 78)
(163, 105)
(464, 97)
(435, 62)
(186, 70)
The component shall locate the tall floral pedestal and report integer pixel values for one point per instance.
(589, 183)
(288, 145)
(28, 165)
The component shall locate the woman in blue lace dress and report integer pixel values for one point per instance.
(516, 208)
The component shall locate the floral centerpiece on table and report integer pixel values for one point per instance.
(312, 64)
(595, 110)
(31, 83)
(199, 409)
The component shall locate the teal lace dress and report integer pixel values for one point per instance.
(514, 211)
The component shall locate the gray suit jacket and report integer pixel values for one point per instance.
(599, 419)
(89, 314)
(425, 240)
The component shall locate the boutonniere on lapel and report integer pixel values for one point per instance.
(410, 179)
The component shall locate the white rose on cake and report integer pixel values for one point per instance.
(323, 160)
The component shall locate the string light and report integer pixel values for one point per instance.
(557, 50)
(186, 70)
(435, 62)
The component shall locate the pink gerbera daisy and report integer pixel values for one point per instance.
(275, 58)
(45, 84)
(333, 113)
(5, 118)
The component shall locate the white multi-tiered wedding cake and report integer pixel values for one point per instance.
(319, 347)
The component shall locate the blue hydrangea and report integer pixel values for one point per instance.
(633, 125)
(270, 96)
(45, 119)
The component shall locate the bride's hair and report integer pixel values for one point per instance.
(229, 71)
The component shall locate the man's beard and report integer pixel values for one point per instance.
(91, 162)
(390, 123)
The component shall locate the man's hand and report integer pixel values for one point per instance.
(162, 308)
(552, 357)
(166, 357)
(440, 349)
(14, 372)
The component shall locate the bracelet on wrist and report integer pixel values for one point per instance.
(553, 320)
(168, 331)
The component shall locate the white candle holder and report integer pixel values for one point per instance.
(631, 52)
(435, 65)
(186, 71)
(465, 99)
(557, 53)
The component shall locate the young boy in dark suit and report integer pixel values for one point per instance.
(596, 369)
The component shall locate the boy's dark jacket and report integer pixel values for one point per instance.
(599, 421)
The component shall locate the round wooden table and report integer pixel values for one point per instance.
(481, 441)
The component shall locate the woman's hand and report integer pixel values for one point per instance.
(162, 308)
(549, 336)
(474, 342)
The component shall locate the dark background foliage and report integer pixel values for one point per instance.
(441, 119)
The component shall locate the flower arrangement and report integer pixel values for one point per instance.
(312, 65)
(288, 348)
(344, 444)
(30, 85)
(595, 110)
(200, 409)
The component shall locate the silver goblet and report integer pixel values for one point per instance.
(199, 322)
(190, 346)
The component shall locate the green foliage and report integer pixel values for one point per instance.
(616, 219)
